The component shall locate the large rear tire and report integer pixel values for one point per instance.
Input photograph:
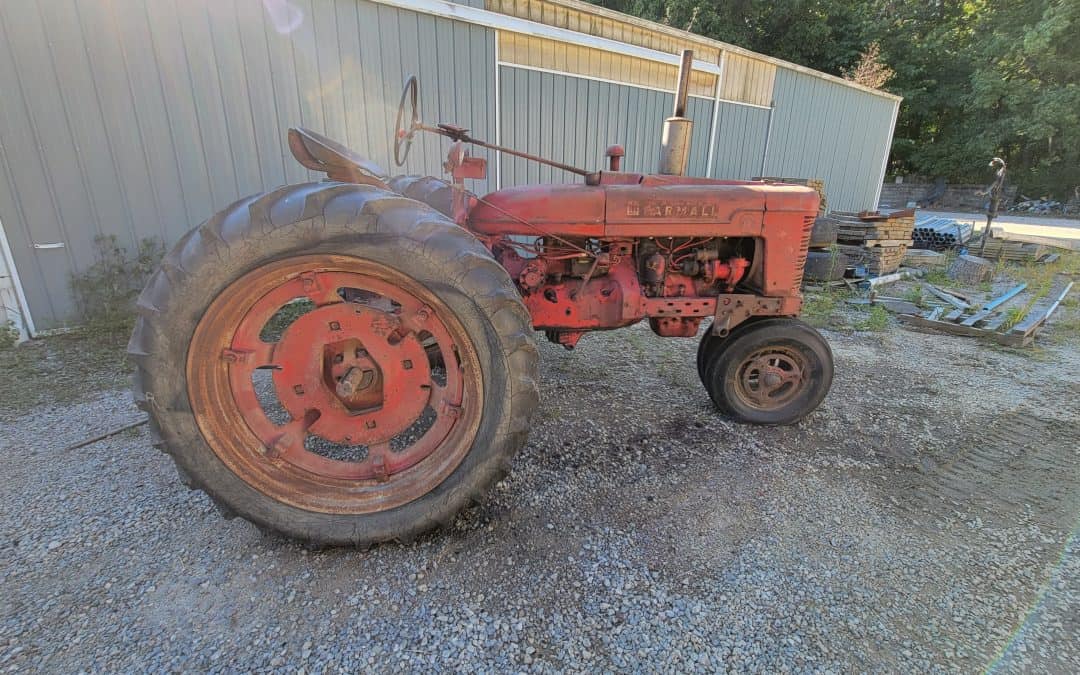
(397, 362)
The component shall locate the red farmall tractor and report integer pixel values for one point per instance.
(352, 361)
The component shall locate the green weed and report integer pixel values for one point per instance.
(9, 335)
(1015, 315)
(915, 296)
(876, 320)
(819, 308)
(105, 292)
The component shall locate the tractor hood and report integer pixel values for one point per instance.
(648, 206)
(566, 209)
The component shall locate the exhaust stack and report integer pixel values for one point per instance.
(675, 141)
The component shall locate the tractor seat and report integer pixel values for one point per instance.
(319, 153)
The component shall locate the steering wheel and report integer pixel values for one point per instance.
(403, 137)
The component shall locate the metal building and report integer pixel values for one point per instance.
(141, 118)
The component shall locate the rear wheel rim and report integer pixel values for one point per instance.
(363, 420)
(772, 377)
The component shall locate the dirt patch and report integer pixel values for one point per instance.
(62, 369)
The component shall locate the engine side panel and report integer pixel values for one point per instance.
(667, 248)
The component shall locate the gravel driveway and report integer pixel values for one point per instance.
(920, 520)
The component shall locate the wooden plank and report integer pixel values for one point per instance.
(945, 326)
(999, 232)
(1004, 297)
(1032, 322)
(947, 297)
(886, 243)
(978, 316)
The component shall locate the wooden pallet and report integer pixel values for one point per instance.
(989, 320)
(1010, 251)
(858, 235)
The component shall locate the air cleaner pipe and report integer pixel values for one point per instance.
(678, 129)
(682, 92)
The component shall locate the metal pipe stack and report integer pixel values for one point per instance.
(937, 234)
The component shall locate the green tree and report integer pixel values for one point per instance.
(980, 78)
(1026, 90)
(929, 46)
(821, 34)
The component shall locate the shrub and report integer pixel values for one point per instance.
(106, 291)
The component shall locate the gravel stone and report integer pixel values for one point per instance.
(919, 521)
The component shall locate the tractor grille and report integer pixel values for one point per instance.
(800, 262)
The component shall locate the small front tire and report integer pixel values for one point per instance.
(772, 372)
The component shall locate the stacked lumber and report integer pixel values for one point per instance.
(878, 260)
(871, 228)
(1011, 251)
(816, 183)
(876, 240)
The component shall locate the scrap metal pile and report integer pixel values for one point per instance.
(1045, 206)
(1009, 318)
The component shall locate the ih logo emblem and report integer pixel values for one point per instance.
(655, 208)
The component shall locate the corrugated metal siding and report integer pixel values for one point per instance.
(573, 120)
(747, 80)
(586, 19)
(142, 118)
(530, 51)
(740, 141)
(825, 130)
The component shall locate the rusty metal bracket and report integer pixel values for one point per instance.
(734, 308)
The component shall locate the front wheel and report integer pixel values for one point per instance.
(336, 363)
(771, 372)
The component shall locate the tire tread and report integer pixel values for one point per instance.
(417, 225)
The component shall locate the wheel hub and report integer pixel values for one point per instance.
(327, 356)
(353, 375)
(772, 377)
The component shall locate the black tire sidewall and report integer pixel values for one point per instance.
(195, 457)
(722, 372)
(711, 345)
